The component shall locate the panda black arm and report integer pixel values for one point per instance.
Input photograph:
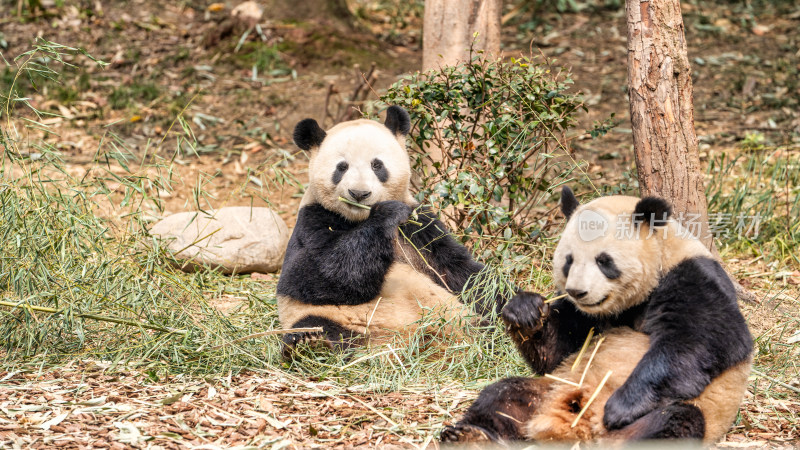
(545, 334)
(696, 333)
(330, 261)
(451, 260)
(448, 263)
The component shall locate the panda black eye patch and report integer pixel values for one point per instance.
(380, 170)
(341, 168)
(606, 264)
(567, 265)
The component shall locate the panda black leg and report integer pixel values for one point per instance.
(332, 337)
(673, 421)
(499, 413)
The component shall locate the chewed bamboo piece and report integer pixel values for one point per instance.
(583, 350)
(585, 370)
(359, 205)
(591, 358)
(591, 399)
(352, 203)
(551, 300)
(553, 377)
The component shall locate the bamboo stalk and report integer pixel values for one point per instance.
(352, 203)
(778, 382)
(591, 399)
(583, 349)
(359, 205)
(591, 358)
(551, 300)
(553, 377)
(131, 323)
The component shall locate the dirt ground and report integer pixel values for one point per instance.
(167, 56)
(82, 406)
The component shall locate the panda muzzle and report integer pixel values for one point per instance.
(359, 196)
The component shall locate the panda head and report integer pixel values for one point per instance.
(360, 160)
(614, 250)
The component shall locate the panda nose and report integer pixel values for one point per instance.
(359, 195)
(576, 294)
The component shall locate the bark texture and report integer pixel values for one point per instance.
(449, 26)
(662, 112)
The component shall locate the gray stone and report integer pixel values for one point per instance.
(236, 239)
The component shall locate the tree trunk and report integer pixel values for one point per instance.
(449, 27)
(662, 114)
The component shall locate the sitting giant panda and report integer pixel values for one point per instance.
(677, 346)
(366, 272)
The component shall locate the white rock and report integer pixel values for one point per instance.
(236, 239)
(249, 13)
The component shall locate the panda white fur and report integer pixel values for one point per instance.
(677, 345)
(366, 274)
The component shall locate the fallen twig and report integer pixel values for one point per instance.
(131, 323)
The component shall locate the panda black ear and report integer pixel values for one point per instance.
(655, 211)
(568, 202)
(308, 134)
(397, 120)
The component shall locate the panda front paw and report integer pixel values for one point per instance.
(463, 433)
(527, 311)
(292, 340)
(392, 212)
(625, 406)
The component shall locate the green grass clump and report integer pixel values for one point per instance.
(114, 291)
(754, 202)
(58, 253)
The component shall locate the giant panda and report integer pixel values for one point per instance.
(675, 341)
(365, 274)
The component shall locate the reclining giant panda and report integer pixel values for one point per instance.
(366, 273)
(676, 345)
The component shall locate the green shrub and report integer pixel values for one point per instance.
(489, 144)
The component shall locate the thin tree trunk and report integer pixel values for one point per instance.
(662, 115)
(449, 27)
